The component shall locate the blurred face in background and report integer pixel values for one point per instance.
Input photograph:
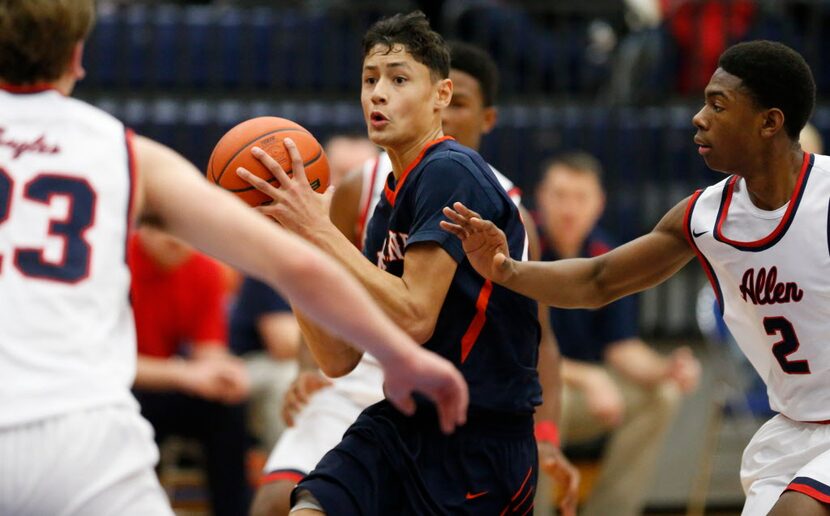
(348, 153)
(467, 119)
(165, 249)
(570, 203)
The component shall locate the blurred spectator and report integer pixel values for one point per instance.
(187, 382)
(614, 384)
(264, 332)
(702, 29)
(347, 153)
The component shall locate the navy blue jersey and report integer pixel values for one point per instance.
(585, 334)
(490, 333)
(254, 300)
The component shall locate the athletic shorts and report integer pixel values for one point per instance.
(92, 462)
(318, 428)
(785, 455)
(388, 463)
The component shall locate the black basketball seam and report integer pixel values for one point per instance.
(254, 140)
(273, 179)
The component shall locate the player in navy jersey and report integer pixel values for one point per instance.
(762, 237)
(386, 462)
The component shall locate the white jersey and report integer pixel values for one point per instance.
(771, 273)
(67, 337)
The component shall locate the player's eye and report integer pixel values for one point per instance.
(399, 79)
(369, 80)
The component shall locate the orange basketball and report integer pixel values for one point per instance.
(267, 132)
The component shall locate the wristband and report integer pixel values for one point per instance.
(547, 432)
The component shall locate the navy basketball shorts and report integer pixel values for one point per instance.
(388, 463)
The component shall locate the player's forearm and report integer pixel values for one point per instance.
(334, 356)
(594, 282)
(413, 315)
(565, 283)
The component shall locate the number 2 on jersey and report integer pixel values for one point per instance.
(74, 263)
(786, 346)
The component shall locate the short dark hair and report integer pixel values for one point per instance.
(475, 61)
(413, 32)
(579, 161)
(776, 76)
(37, 37)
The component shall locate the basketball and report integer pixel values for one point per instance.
(234, 150)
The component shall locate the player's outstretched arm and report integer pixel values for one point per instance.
(219, 224)
(578, 282)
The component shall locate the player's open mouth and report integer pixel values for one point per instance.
(378, 119)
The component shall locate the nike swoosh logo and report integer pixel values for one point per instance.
(696, 234)
(471, 496)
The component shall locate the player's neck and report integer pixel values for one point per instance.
(402, 156)
(770, 185)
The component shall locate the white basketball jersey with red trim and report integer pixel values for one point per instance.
(67, 337)
(773, 285)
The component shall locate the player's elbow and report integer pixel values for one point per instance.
(339, 366)
(418, 325)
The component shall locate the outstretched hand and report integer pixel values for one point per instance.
(565, 475)
(296, 206)
(434, 377)
(484, 243)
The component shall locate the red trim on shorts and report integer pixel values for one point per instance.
(527, 477)
(392, 194)
(474, 330)
(276, 476)
(518, 492)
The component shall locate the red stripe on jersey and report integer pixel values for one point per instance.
(474, 330)
(809, 491)
(27, 88)
(391, 195)
(730, 188)
(707, 268)
(276, 476)
(364, 212)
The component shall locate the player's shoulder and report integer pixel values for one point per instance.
(454, 162)
(91, 116)
(821, 165)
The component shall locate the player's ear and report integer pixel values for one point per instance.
(491, 115)
(443, 93)
(772, 121)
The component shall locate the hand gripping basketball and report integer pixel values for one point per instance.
(295, 204)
